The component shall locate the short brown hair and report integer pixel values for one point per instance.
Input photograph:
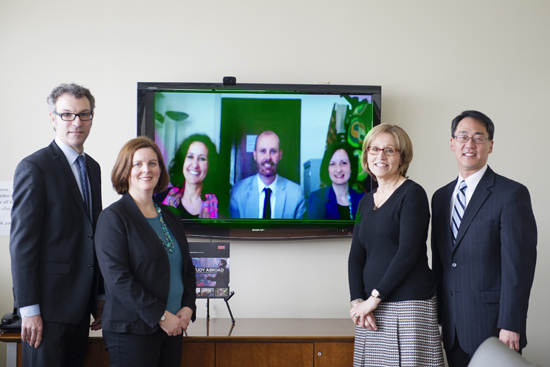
(402, 141)
(124, 163)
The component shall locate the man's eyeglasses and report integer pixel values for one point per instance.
(478, 139)
(387, 151)
(66, 116)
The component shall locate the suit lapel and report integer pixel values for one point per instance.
(252, 199)
(61, 161)
(479, 197)
(281, 198)
(94, 176)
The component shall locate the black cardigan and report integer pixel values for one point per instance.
(388, 250)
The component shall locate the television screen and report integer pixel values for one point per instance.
(261, 160)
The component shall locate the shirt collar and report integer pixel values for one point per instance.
(262, 186)
(69, 152)
(472, 180)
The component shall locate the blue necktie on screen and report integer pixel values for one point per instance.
(84, 182)
(460, 206)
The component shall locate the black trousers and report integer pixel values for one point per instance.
(157, 349)
(456, 357)
(62, 345)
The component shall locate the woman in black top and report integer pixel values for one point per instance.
(392, 288)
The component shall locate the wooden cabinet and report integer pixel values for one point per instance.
(333, 354)
(264, 354)
(276, 342)
(198, 354)
(248, 343)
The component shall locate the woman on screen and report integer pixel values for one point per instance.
(393, 303)
(144, 258)
(193, 189)
(338, 171)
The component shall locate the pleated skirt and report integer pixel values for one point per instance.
(407, 335)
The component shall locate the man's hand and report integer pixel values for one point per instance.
(96, 324)
(31, 330)
(509, 338)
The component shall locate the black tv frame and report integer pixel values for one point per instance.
(254, 229)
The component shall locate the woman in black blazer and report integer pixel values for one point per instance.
(144, 258)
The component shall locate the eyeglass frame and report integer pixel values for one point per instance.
(473, 138)
(381, 150)
(74, 115)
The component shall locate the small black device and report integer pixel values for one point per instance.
(229, 80)
(11, 321)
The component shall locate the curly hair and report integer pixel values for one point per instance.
(175, 170)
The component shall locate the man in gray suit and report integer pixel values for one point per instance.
(56, 203)
(266, 194)
(484, 239)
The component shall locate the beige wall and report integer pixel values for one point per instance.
(432, 58)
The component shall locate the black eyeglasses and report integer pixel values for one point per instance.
(66, 116)
(478, 139)
(387, 150)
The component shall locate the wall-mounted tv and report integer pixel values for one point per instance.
(261, 161)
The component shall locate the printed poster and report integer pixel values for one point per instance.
(212, 264)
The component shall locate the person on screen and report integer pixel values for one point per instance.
(222, 276)
(338, 171)
(144, 256)
(193, 190)
(267, 194)
(393, 301)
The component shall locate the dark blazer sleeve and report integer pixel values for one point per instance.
(518, 236)
(28, 214)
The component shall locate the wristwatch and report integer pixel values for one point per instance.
(163, 317)
(375, 294)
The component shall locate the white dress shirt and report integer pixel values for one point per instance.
(471, 183)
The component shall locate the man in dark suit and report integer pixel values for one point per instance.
(484, 239)
(56, 202)
(267, 195)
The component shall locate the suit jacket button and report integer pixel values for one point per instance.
(91, 237)
(91, 267)
(452, 293)
(453, 265)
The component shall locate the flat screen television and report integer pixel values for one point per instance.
(260, 133)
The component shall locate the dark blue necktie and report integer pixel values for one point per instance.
(84, 183)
